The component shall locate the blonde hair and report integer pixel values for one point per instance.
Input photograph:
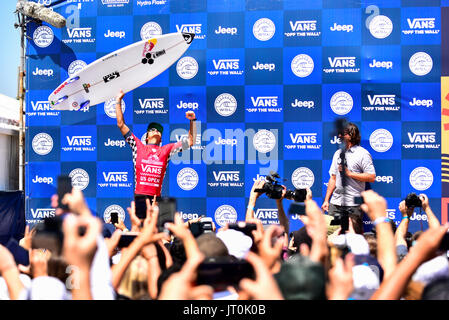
(134, 284)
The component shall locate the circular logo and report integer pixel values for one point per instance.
(303, 178)
(381, 27)
(113, 208)
(341, 103)
(187, 67)
(80, 178)
(264, 29)
(225, 214)
(302, 65)
(264, 141)
(109, 108)
(42, 143)
(420, 63)
(421, 178)
(225, 104)
(187, 179)
(76, 66)
(149, 30)
(381, 140)
(43, 36)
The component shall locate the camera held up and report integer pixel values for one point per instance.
(273, 189)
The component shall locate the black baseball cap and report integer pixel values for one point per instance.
(155, 125)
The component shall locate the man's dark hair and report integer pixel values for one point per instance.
(353, 132)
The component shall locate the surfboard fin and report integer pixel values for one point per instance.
(188, 37)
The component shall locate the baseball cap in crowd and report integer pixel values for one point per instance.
(356, 242)
(365, 281)
(433, 269)
(237, 242)
(301, 279)
(155, 125)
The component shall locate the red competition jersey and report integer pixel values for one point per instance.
(150, 163)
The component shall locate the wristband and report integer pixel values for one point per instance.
(251, 208)
(192, 119)
(381, 220)
(406, 217)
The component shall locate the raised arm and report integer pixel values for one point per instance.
(252, 199)
(431, 218)
(118, 111)
(192, 131)
(401, 230)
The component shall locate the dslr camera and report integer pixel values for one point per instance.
(273, 189)
(202, 226)
(413, 201)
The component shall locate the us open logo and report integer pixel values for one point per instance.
(381, 27)
(225, 214)
(225, 104)
(421, 178)
(43, 36)
(264, 29)
(109, 108)
(187, 179)
(420, 63)
(303, 178)
(42, 143)
(302, 65)
(381, 140)
(76, 66)
(187, 68)
(341, 103)
(149, 30)
(80, 178)
(264, 141)
(113, 208)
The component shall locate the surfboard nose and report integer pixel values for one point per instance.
(188, 37)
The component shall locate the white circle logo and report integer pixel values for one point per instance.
(109, 108)
(420, 63)
(264, 29)
(264, 141)
(302, 65)
(149, 30)
(225, 104)
(187, 68)
(381, 140)
(341, 103)
(113, 208)
(80, 178)
(303, 178)
(76, 66)
(187, 179)
(225, 214)
(421, 178)
(43, 36)
(42, 144)
(381, 27)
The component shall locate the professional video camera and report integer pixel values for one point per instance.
(413, 201)
(273, 189)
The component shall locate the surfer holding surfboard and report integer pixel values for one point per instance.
(151, 159)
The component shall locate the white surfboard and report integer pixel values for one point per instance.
(126, 69)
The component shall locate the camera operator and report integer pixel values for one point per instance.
(358, 168)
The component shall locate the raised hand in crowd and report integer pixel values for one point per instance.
(317, 230)
(25, 242)
(264, 287)
(136, 223)
(341, 285)
(376, 208)
(270, 247)
(10, 273)
(401, 230)
(38, 263)
(254, 195)
(431, 218)
(79, 247)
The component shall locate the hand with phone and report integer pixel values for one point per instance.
(71, 199)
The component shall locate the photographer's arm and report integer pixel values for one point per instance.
(119, 114)
(401, 230)
(252, 199)
(192, 130)
(376, 206)
(431, 218)
(283, 219)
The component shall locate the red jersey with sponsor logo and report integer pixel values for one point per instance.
(150, 163)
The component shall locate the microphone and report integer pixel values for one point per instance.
(39, 12)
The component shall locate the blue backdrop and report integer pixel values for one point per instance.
(267, 79)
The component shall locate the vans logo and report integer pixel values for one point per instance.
(41, 106)
(309, 25)
(79, 32)
(226, 176)
(421, 23)
(80, 140)
(43, 213)
(422, 137)
(154, 103)
(342, 62)
(382, 99)
(271, 101)
(303, 137)
(115, 176)
(226, 64)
